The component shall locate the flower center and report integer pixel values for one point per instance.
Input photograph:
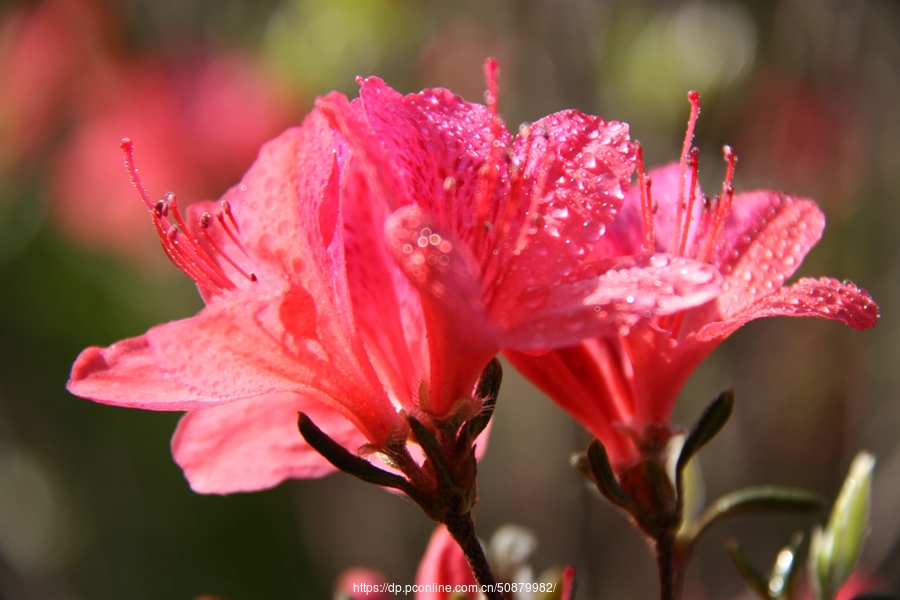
(180, 246)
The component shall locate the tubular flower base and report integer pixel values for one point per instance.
(623, 388)
(337, 272)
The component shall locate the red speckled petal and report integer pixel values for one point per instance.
(603, 304)
(387, 307)
(764, 241)
(437, 265)
(441, 270)
(414, 143)
(825, 298)
(570, 176)
(444, 564)
(254, 444)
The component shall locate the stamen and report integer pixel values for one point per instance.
(694, 99)
(226, 206)
(646, 202)
(127, 147)
(192, 244)
(220, 216)
(722, 209)
(686, 226)
(189, 256)
(488, 174)
(204, 226)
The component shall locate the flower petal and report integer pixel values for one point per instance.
(764, 241)
(626, 289)
(441, 269)
(387, 307)
(126, 373)
(825, 298)
(254, 444)
(570, 174)
(413, 144)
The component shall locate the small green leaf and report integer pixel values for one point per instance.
(604, 476)
(785, 570)
(707, 426)
(836, 550)
(345, 461)
(750, 574)
(488, 388)
(752, 499)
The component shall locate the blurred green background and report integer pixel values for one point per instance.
(92, 505)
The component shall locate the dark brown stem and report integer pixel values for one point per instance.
(462, 529)
(665, 562)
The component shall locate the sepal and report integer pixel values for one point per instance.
(707, 426)
(603, 475)
(488, 388)
(345, 461)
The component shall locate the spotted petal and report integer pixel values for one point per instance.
(824, 298)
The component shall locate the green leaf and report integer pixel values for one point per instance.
(345, 461)
(786, 568)
(488, 388)
(604, 476)
(837, 549)
(751, 575)
(707, 426)
(752, 499)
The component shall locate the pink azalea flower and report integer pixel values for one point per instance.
(623, 388)
(337, 274)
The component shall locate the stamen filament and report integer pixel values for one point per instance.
(204, 229)
(694, 160)
(127, 147)
(694, 99)
(646, 202)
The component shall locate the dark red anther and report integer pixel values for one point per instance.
(161, 208)
(204, 220)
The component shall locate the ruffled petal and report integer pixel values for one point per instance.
(625, 290)
(570, 174)
(254, 444)
(825, 298)
(127, 374)
(413, 145)
(444, 564)
(764, 241)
